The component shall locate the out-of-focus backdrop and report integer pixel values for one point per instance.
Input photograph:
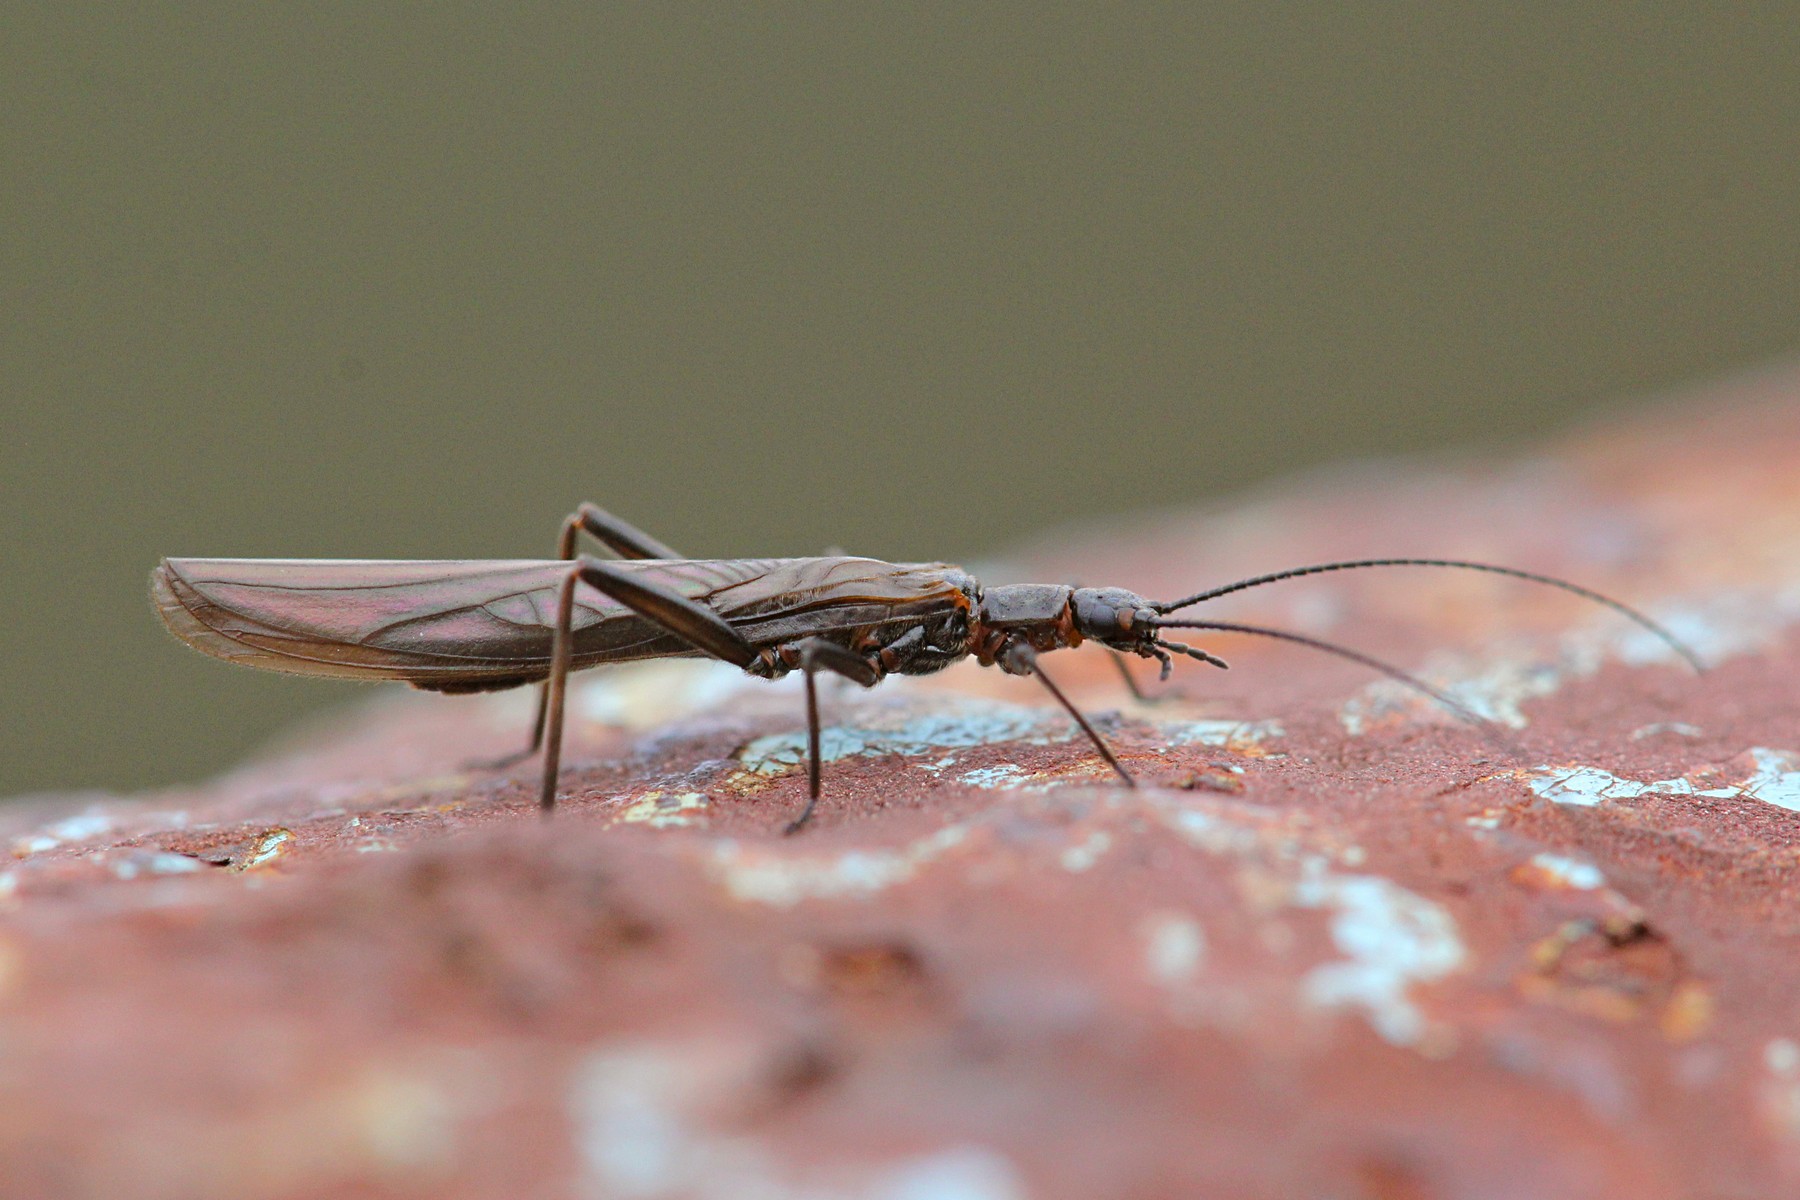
(373, 281)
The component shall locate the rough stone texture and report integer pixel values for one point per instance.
(1343, 947)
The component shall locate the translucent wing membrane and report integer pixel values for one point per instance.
(468, 625)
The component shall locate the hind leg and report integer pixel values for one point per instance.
(622, 538)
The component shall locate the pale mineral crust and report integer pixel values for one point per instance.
(1340, 945)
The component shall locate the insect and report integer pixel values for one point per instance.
(472, 625)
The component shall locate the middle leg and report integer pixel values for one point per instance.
(817, 654)
(1020, 659)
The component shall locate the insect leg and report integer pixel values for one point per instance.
(1131, 683)
(531, 747)
(621, 537)
(687, 619)
(1023, 660)
(817, 654)
(550, 700)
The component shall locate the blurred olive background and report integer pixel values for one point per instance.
(368, 280)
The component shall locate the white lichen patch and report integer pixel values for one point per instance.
(1083, 855)
(158, 862)
(664, 809)
(12, 967)
(775, 877)
(267, 848)
(1004, 775)
(942, 735)
(406, 1122)
(1494, 690)
(1214, 831)
(1014, 778)
(1498, 681)
(645, 1118)
(1780, 1090)
(79, 828)
(1391, 939)
(1774, 780)
(652, 695)
(909, 733)
(379, 1129)
(1563, 871)
(1724, 624)
(1174, 949)
(1388, 938)
(958, 1173)
(1244, 737)
(1585, 787)
(1674, 728)
(956, 727)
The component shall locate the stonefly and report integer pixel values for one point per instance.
(481, 625)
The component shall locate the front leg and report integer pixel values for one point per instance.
(1131, 684)
(1018, 658)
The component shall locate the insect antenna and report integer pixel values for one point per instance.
(1674, 643)
(1355, 656)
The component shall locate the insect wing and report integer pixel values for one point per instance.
(456, 622)
(419, 621)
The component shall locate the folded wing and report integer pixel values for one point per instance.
(465, 625)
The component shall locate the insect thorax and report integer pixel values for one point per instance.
(936, 641)
(1031, 615)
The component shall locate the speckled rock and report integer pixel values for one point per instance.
(1339, 946)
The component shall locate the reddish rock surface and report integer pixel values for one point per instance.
(1342, 947)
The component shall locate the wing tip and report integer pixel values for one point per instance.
(177, 613)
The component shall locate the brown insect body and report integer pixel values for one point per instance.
(462, 626)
